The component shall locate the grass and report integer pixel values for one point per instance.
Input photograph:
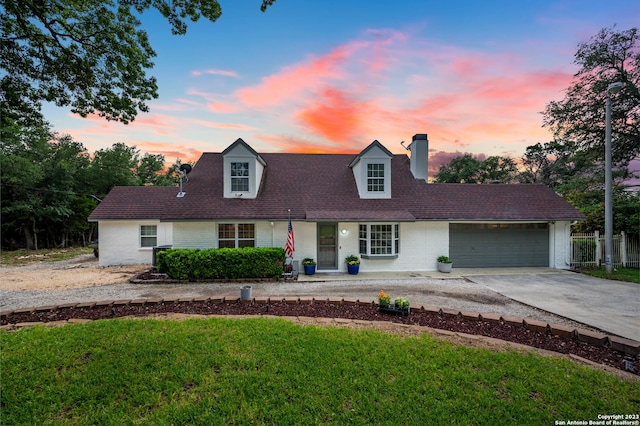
(631, 275)
(270, 371)
(24, 257)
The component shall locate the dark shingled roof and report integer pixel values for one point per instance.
(321, 187)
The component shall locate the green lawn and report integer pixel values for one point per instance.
(270, 371)
(631, 275)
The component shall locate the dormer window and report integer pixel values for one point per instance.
(243, 171)
(375, 177)
(372, 171)
(239, 177)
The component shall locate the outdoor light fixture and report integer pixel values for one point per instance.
(608, 185)
(344, 231)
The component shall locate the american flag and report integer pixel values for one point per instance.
(288, 247)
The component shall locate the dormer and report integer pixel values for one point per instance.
(243, 169)
(372, 171)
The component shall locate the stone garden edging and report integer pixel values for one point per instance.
(620, 344)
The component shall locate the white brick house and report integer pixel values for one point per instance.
(375, 204)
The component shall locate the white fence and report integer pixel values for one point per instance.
(587, 250)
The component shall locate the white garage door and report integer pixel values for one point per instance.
(495, 245)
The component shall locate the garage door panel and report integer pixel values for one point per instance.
(499, 245)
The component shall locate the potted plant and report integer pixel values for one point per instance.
(384, 300)
(353, 264)
(444, 264)
(399, 307)
(309, 266)
(402, 304)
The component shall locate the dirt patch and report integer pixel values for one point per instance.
(80, 272)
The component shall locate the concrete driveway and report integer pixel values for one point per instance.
(611, 306)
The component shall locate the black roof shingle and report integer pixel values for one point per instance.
(321, 187)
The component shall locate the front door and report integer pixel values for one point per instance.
(327, 246)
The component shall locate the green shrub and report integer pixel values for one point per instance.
(584, 250)
(223, 263)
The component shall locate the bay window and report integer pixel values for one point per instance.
(379, 239)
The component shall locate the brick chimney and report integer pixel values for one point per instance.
(420, 156)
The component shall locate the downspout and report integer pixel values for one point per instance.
(272, 223)
(567, 253)
(552, 255)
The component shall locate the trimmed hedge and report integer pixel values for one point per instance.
(222, 263)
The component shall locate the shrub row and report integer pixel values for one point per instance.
(223, 263)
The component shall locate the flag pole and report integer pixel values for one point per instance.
(289, 245)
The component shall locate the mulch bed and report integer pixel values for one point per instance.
(329, 309)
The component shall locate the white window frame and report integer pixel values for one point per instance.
(375, 177)
(388, 246)
(240, 182)
(145, 233)
(238, 241)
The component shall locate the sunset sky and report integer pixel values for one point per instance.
(332, 76)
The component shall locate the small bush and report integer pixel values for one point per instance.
(584, 250)
(223, 263)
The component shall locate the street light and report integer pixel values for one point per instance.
(608, 186)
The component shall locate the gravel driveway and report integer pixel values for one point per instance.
(32, 286)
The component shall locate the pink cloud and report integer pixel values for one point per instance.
(222, 108)
(171, 153)
(299, 80)
(383, 85)
(465, 95)
(292, 80)
(213, 124)
(213, 101)
(155, 120)
(314, 92)
(336, 115)
(295, 145)
(224, 73)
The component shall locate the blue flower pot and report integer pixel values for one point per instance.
(309, 269)
(353, 269)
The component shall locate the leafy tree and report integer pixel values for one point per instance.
(463, 169)
(554, 164)
(39, 177)
(77, 224)
(572, 164)
(610, 56)
(47, 182)
(90, 55)
(467, 169)
(565, 169)
(626, 211)
(498, 169)
(111, 167)
(122, 165)
(150, 171)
